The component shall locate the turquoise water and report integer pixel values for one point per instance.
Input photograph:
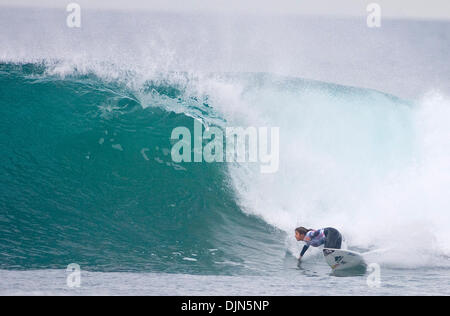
(91, 181)
(86, 174)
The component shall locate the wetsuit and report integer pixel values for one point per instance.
(329, 237)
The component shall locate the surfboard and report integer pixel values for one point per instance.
(339, 259)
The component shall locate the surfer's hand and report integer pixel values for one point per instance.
(299, 258)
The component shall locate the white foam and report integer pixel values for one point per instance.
(369, 165)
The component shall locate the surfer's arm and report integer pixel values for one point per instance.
(303, 251)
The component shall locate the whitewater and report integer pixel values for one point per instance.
(87, 176)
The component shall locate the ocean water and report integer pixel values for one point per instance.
(86, 174)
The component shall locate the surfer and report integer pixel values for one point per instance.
(329, 237)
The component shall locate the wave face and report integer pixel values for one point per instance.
(86, 174)
(87, 177)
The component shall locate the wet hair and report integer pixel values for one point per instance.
(302, 230)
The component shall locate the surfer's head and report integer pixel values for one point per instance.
(300, 233)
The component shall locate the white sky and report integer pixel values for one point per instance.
(422, 9)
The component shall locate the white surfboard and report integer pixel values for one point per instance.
(339, 259)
